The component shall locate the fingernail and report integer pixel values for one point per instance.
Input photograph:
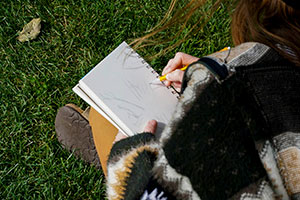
(165, 82)
(153, 121)
(168, 76)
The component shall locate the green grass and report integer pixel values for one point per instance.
(36, 78)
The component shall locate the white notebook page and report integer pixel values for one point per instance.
(121, 86)
(87, 99)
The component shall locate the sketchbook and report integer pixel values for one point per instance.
(120, 88)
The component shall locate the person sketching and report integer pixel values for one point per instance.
(235, 133)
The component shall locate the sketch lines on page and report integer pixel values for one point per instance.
(129, 61)
(137, 90)
(130, 110)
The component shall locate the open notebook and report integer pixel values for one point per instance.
(120, 88)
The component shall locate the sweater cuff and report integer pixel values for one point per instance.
(130, 166)
(127, 144)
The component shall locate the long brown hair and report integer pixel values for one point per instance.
(270, 22)
(175, 16)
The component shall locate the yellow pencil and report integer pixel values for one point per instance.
(162, 78)
(226, 48)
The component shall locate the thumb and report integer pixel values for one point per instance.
(175, 76)
(151, 126)
(119, 136)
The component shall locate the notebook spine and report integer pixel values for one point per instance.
(173, 91)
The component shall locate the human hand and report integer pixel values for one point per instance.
(174, 75)
(150, 128)
(119, 137)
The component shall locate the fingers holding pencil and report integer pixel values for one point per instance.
(174, 78)
(180, 60)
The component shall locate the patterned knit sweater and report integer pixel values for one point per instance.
(235, 134)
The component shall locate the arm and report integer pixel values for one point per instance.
(130, 162)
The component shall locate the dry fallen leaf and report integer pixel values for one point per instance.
(30, 31)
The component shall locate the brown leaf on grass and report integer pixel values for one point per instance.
(30, 31)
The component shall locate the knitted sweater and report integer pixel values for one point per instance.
(235, 134)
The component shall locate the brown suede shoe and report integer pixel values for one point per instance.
(75, 134)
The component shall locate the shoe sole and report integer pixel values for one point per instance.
(75, 134)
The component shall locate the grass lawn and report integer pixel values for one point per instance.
(36, 79)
